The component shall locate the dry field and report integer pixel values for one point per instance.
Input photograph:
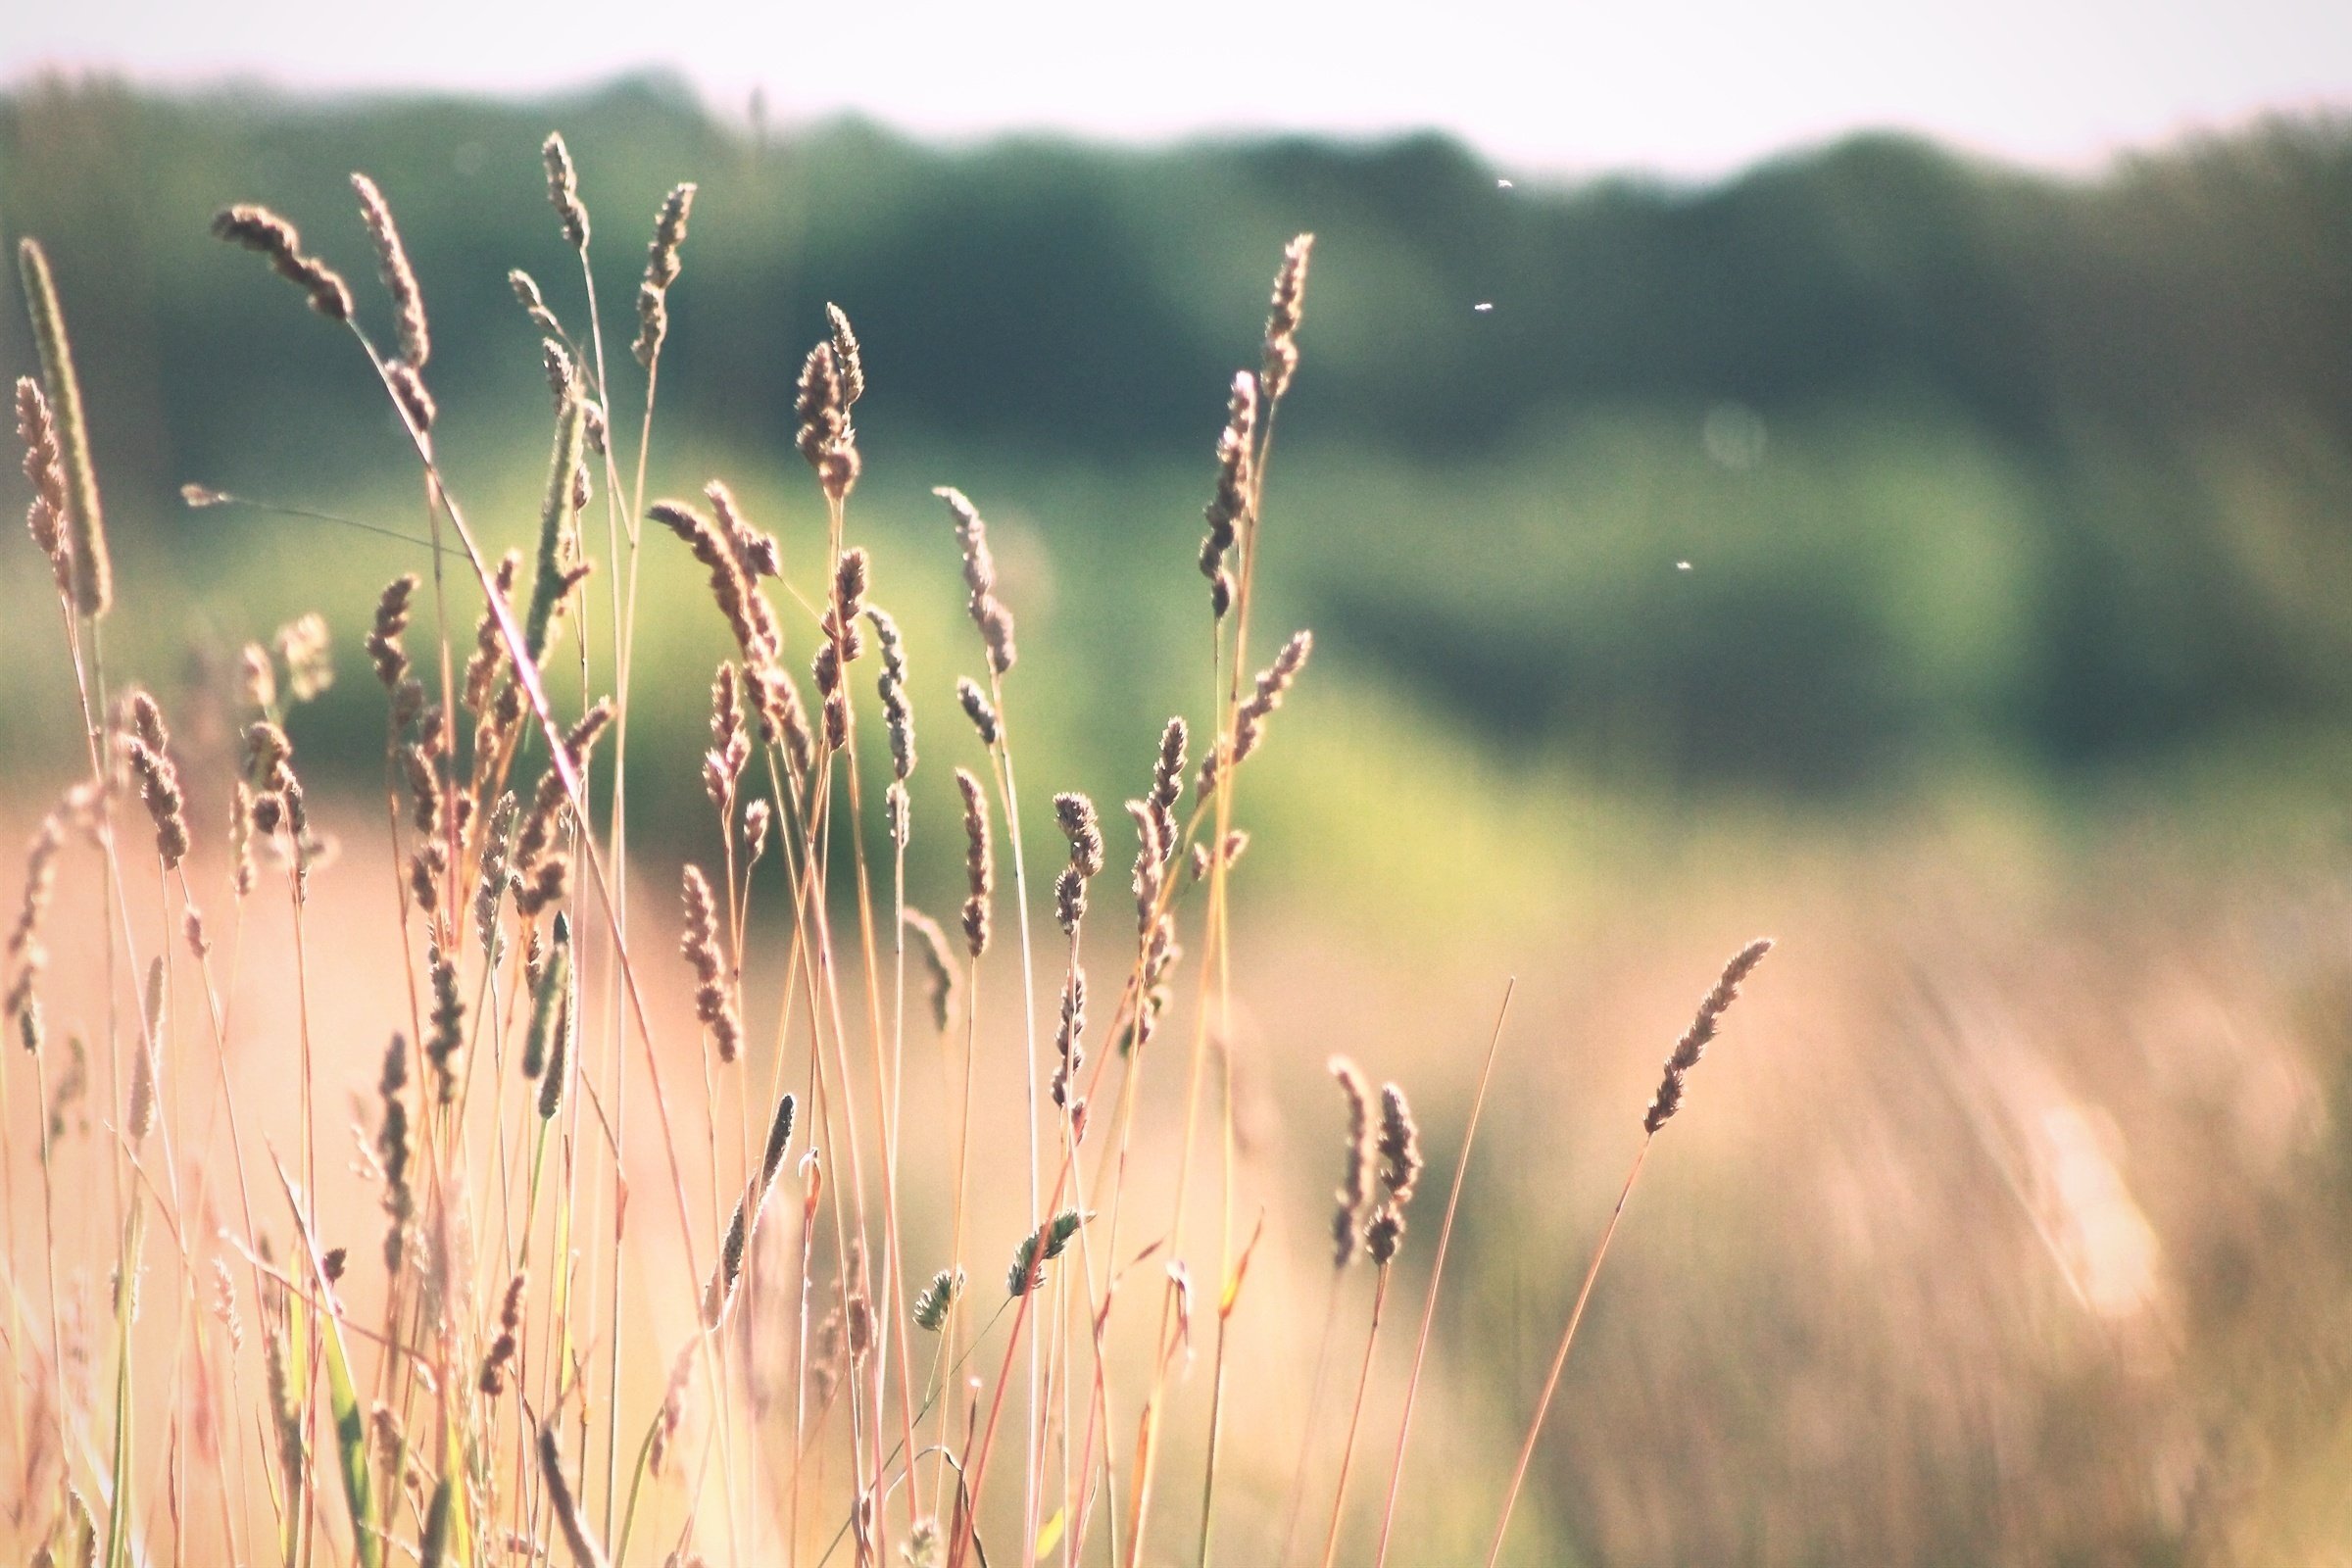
(436, 1176)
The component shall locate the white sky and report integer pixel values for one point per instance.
(1678, 86)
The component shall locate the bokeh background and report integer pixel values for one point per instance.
(1941, 561)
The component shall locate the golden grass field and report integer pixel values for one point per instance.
(2003, 1222)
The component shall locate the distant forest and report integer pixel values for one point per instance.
(2133, 392)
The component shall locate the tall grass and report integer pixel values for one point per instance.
(529, 1323)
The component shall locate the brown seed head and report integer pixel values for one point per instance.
(563, 191)
(820, 407)
(489, 646)
(1075, 814)
(978, 708)
(1229, 503)
(730, 746)
(400, 277)
(534, 305)
(93, 574)
(758, 552)
(978, 862)
(563, 374)
(731, 587)
(46, 518)
(258, 228)
(1694, 1040)
(847, 358)
(407, 390)
(384, 649)
(669, 232)
(653, 323)
(1068, 1038)
(447, 1042)
(1283, 319)
(1274, 682)
(1399, 1146)
(988, 612)
(713, 1002)
(159, 788)
(1356, 1180)
(896, 713)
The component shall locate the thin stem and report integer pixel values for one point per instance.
(1559, 1360)
(1363, 1384)
(1437, 1274)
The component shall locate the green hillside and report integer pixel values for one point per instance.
(1962, 461)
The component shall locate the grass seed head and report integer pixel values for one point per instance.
(259, 229)
(980, 869)
(1693, 1043)
(563, 191)
(400, 277)
(85, 521)
(669, 233)
(1356, 1177)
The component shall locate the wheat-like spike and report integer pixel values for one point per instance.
(47, 517)
(1694, 1040)
(563, 191)
(730, 743)
(1274, 683)
(1283, 317)
(93, 570)
(563, 1038)
(445, 1046)
(559, 518)
(1400, 1145)
(1356, 1183)
(760, 554)
(1075, 814)
(1229, 503)
(979, 864)
(167, 806)
(756, 820)
(897, 715)
(733, 589)
(534, 305)
(978, 708)
(383, 645)
(400, 277)
(669, 233)
(822, 407)
(492, 884)
(492, 1381)
(392, 1154)
(259, 229)
(847, 360)
(981, 602)
(714, 1002)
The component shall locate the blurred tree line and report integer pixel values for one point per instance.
(1805, 477)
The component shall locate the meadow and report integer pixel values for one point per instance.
(415, 977)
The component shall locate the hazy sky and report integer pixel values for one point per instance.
(1687, 86)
